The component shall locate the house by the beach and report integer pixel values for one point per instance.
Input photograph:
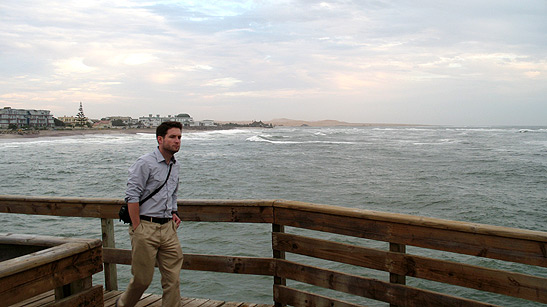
(102, 124)
(22, 118)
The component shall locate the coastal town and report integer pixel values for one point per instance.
(29, 120)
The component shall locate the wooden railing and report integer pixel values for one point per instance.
(31, 265)
(477, 240)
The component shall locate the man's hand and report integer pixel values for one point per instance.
(134, 211)
(176, 219)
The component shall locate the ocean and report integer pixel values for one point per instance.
(490, 175)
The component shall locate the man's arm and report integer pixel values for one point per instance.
(174, 205)
(134, 214)
(138, 174)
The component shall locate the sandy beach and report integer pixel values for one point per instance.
(56, 133)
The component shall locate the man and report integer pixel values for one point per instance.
(154, 223)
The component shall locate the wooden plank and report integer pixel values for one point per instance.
(35, 280)
(91, 297)
(368, 287)
(184, 203)
(518, 250)
(227, 264)
(480, 278)
(109, 207)
(394, 277)
(23, 263)
(110, 270)
(61, 206)
(211, 263)
(244, 214)
(252, 211)
(278, 254)
(117, 255)
(37, 300)
(110, 298)
(111, 293)
(186, 301)
(43, 241)
(196, 302)
(396, 218)
(289, 296)
(212, 303)
(148, 300)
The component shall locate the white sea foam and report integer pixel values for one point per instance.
(214, 134)
(260, 138)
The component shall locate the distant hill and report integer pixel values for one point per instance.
(323, 123)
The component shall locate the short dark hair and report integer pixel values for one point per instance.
(161, 130)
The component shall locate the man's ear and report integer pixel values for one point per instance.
(160, 139)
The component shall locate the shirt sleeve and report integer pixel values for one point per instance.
(174, 206)
(138, 176)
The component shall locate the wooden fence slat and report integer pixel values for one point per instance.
(244, 214)
(460, 274)
(502, 248)
(278, 254)
(110, 270)
(293, 297)
(244, 211)
(227, 264)
(406, 219)
(211, 263)
(367, 287)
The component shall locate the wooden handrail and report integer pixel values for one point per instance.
(64, 265)
(399, 230)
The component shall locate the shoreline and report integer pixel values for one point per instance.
(26, 134)
(75, 132)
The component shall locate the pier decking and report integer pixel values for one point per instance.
(147, 300)
(518, 275)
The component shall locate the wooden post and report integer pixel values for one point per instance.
(110, 271)
(396, 278)
(277, 254)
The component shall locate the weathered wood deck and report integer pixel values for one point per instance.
(147, 300)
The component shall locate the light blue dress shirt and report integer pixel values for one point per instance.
(146, 175)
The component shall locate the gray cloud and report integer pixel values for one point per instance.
(425, 62)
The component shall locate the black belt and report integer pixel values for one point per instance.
(159, 220)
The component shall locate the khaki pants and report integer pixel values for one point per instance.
(153, 242)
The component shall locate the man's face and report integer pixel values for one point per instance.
(171, 141)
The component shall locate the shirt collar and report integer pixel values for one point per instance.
(160, 158)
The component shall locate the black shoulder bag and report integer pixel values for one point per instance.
(124, 211)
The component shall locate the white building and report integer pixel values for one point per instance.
(68, 120)
(207, 123)
(154, 121)
(25, 118)
(150, 121)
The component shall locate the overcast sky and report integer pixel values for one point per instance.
(417, 62)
